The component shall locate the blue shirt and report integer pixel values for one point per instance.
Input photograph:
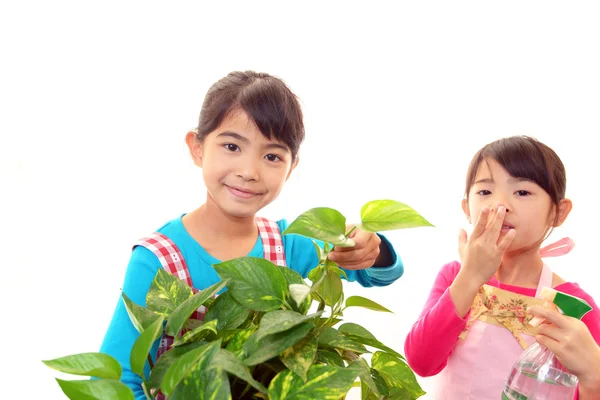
(143, 266)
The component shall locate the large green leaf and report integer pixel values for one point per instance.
(330, 337)
(186, 366)
(140, 316)
(325, 224)
(99, 365)
(181, 314)
(331, 288)
(166, 360)
(95, 390)
(143, 344)
(281, 320)
(358, 301)
(198, 333)
(384, 215)
(236, 344)
(324, 382)
(166, 293)
(330, 357)
(229, 313)
(294, 278)
(359, 334)
(300, 356)
(273, 345)
(396, 373)
(230, 363)
(203, 384)
(254, 282)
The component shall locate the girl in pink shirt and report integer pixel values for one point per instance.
(474, 324)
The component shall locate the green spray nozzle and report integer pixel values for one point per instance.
(569, 305)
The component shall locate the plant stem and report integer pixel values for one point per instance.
(351, 230)
(150, 361)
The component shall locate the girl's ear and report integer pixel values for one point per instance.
(465, 207)
(562, 212)
(294, 165)
(195, 147)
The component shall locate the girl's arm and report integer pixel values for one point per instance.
(432, 338)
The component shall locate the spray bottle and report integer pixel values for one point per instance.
(538, 375)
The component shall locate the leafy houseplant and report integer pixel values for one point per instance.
(259, 339)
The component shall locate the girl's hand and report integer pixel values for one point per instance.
(481, 253)
(362, 255)
(572, 343)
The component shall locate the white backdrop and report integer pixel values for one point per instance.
(96, 98)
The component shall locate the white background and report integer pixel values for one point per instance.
(96, 98)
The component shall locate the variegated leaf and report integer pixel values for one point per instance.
(166, 293)
(324, 382)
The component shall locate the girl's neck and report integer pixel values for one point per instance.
(521, 269)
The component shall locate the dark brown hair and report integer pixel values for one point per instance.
(267, 101)
(524, 157)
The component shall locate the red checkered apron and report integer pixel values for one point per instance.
(172, 261)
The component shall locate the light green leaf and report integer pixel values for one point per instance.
(324, 382)
(300, 356)
(166, 293)
(294, 278)
(396, 373)
(99, 365)
(229, 313)
(230, 363)
(254, 282)
(358, 301)
(331, 288)
(330, 337)
(140, 316)
(197, 334)
(384, 215)
(185, 366)
(165, 361)
(316, 274)
(321, 255)
(143, 344)
(95, 390)
(325, 224)
(183, 312)
(364, 373)
(203, 384)
(273, 345)
(359, 334)
(281, 320)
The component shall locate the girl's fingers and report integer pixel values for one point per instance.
(481, 222)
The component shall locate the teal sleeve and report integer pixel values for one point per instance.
(301, 256)
(121, 334)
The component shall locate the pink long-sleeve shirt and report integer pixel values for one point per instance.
(432, 338)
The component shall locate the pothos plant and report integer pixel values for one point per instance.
(271, 335)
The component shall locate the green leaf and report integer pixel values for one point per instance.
(183, 312)
(236, 345)
(255, 283)
(316, 274)
(165, 361)
(396, 373)
(359, 334)
(281, 320)
(140, 316)
(324, 382)
(229, 313)
(195, 360)
(330, 337)
(230, 363)
(330, 358)
(300, 356)
(294, 278)
(143, 344)
(273, 345)
(203, 384)
(95, 390)
(325, 224)
(364, 373)
(197, 334)
(99, 365)
(166, 293)
(358, 301)
(321, 255)
(331, 288)
(385, 215)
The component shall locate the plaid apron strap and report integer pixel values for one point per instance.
(168, 254)
(271, 240)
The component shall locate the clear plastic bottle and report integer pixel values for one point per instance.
(538, 375)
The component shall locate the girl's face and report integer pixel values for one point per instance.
(243, 171)
(530, 211)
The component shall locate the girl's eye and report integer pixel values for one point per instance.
(273, 157)
(231, 147)
(522, 193)
(484, 192)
